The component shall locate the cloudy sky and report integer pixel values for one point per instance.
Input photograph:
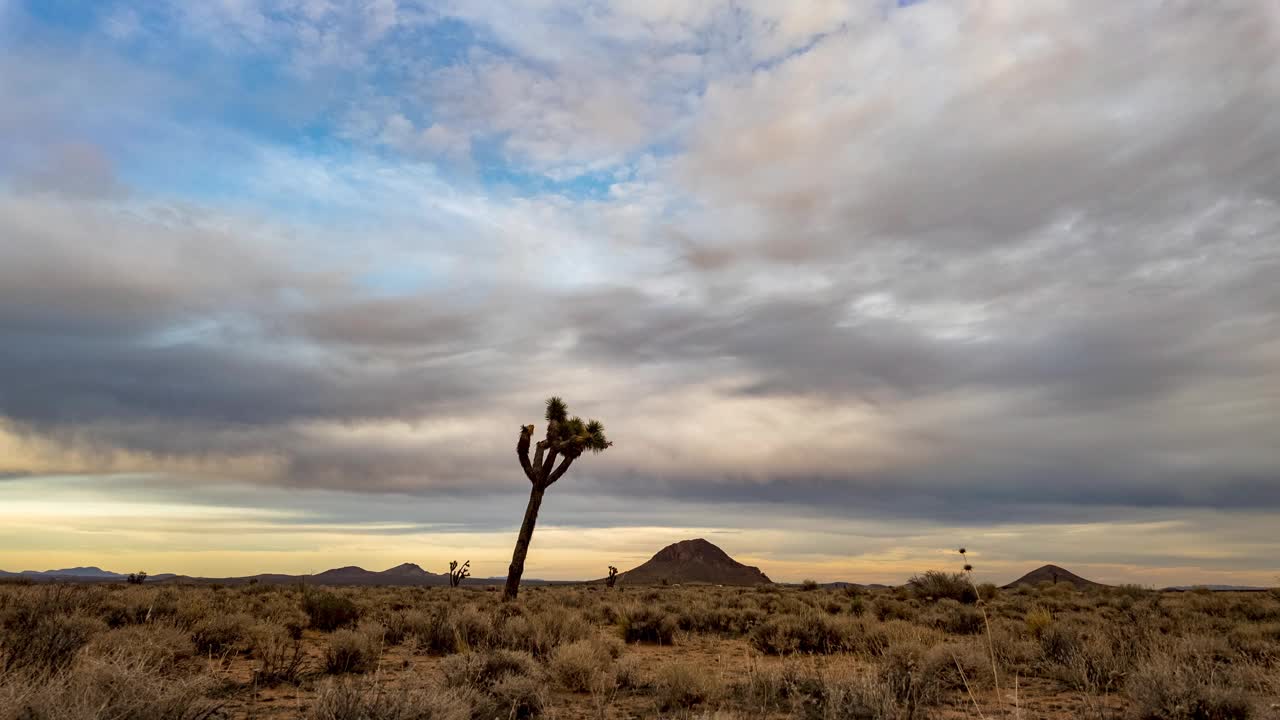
(850, 283)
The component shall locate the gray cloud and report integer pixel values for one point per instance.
(903, 267)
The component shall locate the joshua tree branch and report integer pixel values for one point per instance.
(564, 466)
(522, 450)
(537, 461)
(550, 462)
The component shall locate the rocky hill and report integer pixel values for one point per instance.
(1053, 574)
(693, 561)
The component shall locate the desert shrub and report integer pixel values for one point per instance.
(161, 646)
(125, 686)
(473, 628)
(708, 617)
(857, 696)
(1137, 592)
(279, 649)
(1094, 660)
(43, 642)
(581, 665)
(936, 584)
(479, 670)
(857, 607)
(961, 620)
(350, 699)
(790, 634)
(431, 632)
(1257, 608)
(557, 627)
(350, 651)
(917, 676)
(506, 683)
(647, 624)
(812, 633)
(1170, 688)
(988, 591)
(889, 609)
(1257, 643)
(220, 634)
(329, 611)
(682, 685)
(1059, 642)
(808, 585)
(767, 688)
(1013, 650)
(118, 612)
(1038, 621)
(629, 673)
(395, 629)
(518, 696)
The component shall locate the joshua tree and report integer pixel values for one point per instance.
(567, 438)
(613, 577)
(458, 574)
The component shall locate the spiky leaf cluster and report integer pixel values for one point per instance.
(566, 440)
(575, 436)
(557, 411)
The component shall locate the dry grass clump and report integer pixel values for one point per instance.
(585, 664)
(121, 685)
(221, 634)
(431, 632)
(329, 611)
(815, 634)
(916, 675)
(647, 624)
(279, 651)
(937, 584)
(542, 632)
(351, 651)
(44, 643)
(1173, 686)
(504, 683)
(353, 699)
(683, 685)
(158, 645)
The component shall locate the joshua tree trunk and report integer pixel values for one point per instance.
(522, 543)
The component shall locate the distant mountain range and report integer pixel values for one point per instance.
(688, 562)
(1217, 588)
(406, 574)
(76, 573)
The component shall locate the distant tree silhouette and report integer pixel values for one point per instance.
(136, 578)
(613, 577)
(566, 439)
(458, 574)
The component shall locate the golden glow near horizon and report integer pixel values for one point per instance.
(80, 521)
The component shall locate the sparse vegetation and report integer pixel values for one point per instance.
(74, 652)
